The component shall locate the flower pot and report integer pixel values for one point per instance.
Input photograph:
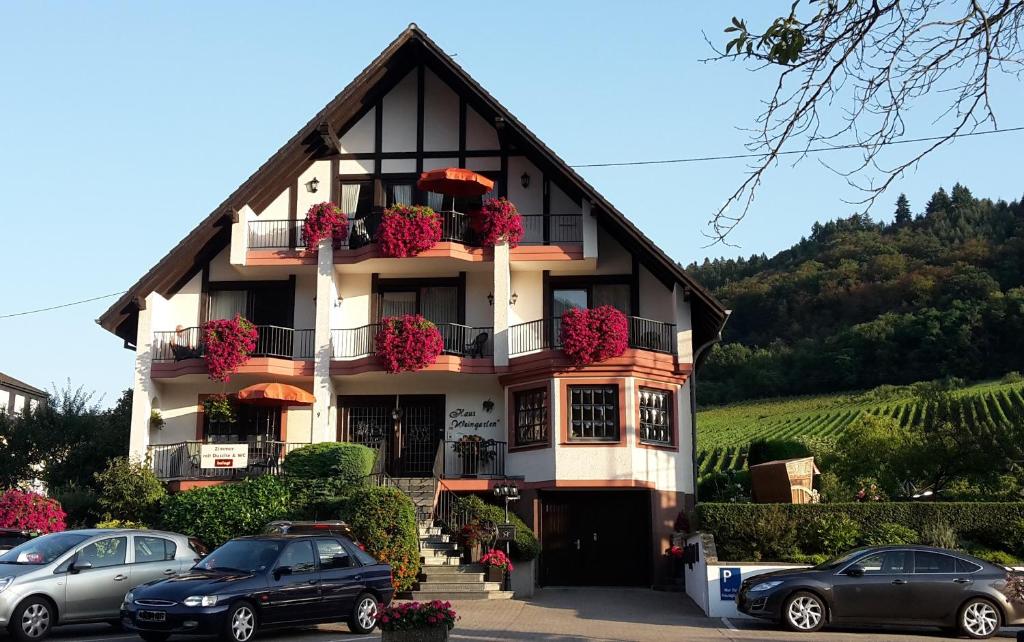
(429, 634)
(495, 574)
(471, 553)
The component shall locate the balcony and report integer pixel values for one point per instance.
(274, 341)
(459, 340)
(542, 334)
(284, 234)
(181, 461)
(485, 460)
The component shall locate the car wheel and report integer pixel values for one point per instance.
(240, 625)
(32, 620)
(149, 636)
(364, 614)
(804, 612)
(979, 619)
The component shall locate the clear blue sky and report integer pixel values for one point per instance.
(123, 124)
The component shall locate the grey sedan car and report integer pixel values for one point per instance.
(82, 576)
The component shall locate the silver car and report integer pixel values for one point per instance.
(82, 576)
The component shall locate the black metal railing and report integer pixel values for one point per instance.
(485, 458)
(540, 229)
(272, 341)
(272, 234)
(455, 227)
(644, 334)
(460, 340)
(183, 460)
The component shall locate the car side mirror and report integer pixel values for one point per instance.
(855, 570)
(84, 565)
(282, 570)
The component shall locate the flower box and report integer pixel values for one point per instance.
(495, 574)
(428, 634)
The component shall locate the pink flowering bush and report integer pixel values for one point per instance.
(408, 343)
(229, 342)
(498, 220)
(324, 220)
(410, 616)
(31, 512)
(407, 230)
(497, 558)
(589, 336)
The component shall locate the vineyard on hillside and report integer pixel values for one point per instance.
(724, 433)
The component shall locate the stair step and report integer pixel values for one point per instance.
(458, 587)
(432, 576)
(430, 540)
(437, 562)
(429, 596)
(458, 570)
(438, 546)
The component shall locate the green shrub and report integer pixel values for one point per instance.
(725, 486)
(939, 533)
(525, 547)
(330, 460)
(994, 556)
(1012, 377)
(80, 504)
(384, 521)
(769, 534)
(762, 450)
(829, 533)
(219, 513)
(129, 491)
(811, 559)
(983, 522)
(120, 523)
(889, 533)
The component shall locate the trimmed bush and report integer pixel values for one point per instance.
(347, 462)
(219, 513)
(735, 526)
(525, 547)
(128, 491)
(120, 523)
(939, 534)
(889, 533)
(384, 521)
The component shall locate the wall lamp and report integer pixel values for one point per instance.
(524, 180)
(511, 300)
(313, 185)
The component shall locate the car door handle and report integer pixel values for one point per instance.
(312, 582)
(358, 577)
(169, 571)
(899, 582)
(120, 578)
(963, 580)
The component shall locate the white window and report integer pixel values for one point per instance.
(19, 404)
(4, 399)
(32, 403)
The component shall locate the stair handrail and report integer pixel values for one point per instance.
(378, 473)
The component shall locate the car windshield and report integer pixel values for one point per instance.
(43, 549)
(836, 562)
(242, 555)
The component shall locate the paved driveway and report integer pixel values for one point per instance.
(568, 615)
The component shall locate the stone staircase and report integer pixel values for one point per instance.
(443, 576)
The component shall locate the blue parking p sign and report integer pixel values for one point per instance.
(728, 583)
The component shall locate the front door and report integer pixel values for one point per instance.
(408, 427)
(595, 538)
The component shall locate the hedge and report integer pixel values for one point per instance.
(345, 461)
(772, 531)
(525, 547)
(384, 521)
(219, 513)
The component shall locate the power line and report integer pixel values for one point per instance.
(63, 305)
(699, 159)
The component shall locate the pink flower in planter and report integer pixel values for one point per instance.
(229, 342)
(407, 230)
(408, 343)
(498, 219)
(324, 220)
(589, 336)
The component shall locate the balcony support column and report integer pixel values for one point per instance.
(502, 292)
(323, 388)
(589, 224)
(240, 236)
(144, 392)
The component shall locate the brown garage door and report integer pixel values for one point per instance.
(595, 538)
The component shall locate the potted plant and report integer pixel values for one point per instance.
(592, 335)
(407, 230)
(497, 564)
(474, 450)
(469, 539)
(497, 220)
(417, 622)
(219, 409)
(229, 342)
(324, 220)
(408, 343)
(156, 420)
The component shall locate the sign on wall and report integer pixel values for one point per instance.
(729, 583)
(223, 455)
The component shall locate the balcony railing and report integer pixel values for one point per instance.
(644, 334)
(273, 341)
(538, 229)
(459, 340)
(182, 460)
(482, 459)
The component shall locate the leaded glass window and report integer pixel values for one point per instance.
(594, 413)
(531, 407)
(655, 417)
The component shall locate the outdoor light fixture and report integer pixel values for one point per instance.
(513, 299)
(490, 298)
(396, 414)
(507, 491)
(525, 180)
(312, 185)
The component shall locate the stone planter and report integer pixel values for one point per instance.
(431, 634)
(495, 574)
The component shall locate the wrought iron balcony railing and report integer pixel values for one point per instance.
(644, 334)
(459, 340)
(273, 341)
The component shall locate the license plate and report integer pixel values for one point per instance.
(153, 616)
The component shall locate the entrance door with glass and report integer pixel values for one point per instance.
(408, 427)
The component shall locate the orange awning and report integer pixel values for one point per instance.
(275, 394)
(455, 181)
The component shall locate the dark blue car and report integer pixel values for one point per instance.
(263, 582)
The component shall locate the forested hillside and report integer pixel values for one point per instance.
(860, 303)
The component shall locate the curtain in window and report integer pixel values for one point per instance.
(225, 304)
(435, 201)
(616, 295)
(397, 303)
(401, 194)
(350, 199)
(440, 305)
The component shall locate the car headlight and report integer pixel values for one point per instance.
(200, 600)
(129, 597)
(5, 582)
(765, 586)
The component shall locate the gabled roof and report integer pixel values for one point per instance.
(411, 47)
(7, 381)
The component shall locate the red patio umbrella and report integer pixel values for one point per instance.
(275, 394)
(455, 181)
